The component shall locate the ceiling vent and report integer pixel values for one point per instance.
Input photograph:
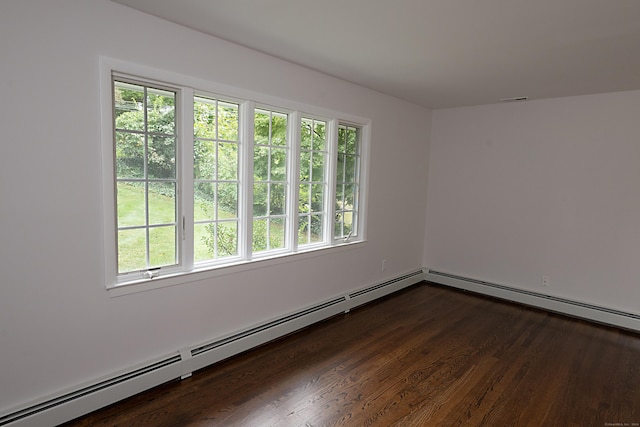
(517, 98)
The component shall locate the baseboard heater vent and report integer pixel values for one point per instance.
(257, 335)
(385, 284)
(208, 347)
(69, 405)
(94, 388)
(567, 306)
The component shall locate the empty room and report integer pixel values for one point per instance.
(315, 213)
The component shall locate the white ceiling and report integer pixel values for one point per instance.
(436, 53)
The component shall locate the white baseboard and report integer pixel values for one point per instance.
(69, 404)
(565, 306)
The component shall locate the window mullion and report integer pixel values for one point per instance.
(185, 185)
(145, 112)
(293, 179)
(332, 161)
(245, 239)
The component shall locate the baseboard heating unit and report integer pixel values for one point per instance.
(555, 304)
(70, 404)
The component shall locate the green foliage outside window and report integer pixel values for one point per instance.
(130, 116)
(216, 159)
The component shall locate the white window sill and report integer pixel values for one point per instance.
(209, 272)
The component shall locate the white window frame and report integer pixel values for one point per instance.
(146, 181)
(355, 211)
(289, 168)
(329, 181)
(243, 142)
(248, 101)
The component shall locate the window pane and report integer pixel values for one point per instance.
(259, 235)
(318, 167)
(129, 105)
(132, 250)
(260, 195)
(262, 127)
(316, 228)
(278, 164)
(338, 226)
(352, 141)
(129, 155)
(276, 233)
(228, 161)
(227, 200)
(349, 196)
(305, 166)
(277, 199)
(317, 197)
(348, 223)
(227, 238)
(228, 121)
(203, 242)
(278, 129)
(350, 168)
(261, 164)
(162, 203)
(131, 205)
(204, 201)
(339, 197)
(305, 133)
(342, 140)
(303, 230)
(204, 118)
(340, 168)
(319, 136)
(161, 157)
(161, 111)
(303, 202)
(162, 246)
(204, 159)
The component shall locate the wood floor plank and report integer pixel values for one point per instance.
(426, 356)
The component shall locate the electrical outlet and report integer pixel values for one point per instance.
(384, 265)
(546, 281)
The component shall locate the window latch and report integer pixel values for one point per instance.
(150, 274)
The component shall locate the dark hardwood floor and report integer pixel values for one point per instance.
(426, 356)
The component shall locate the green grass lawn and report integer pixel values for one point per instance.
(132, 243)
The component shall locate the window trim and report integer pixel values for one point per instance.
(248, 101)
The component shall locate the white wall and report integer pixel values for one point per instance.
(548, 187)
(58, 325)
